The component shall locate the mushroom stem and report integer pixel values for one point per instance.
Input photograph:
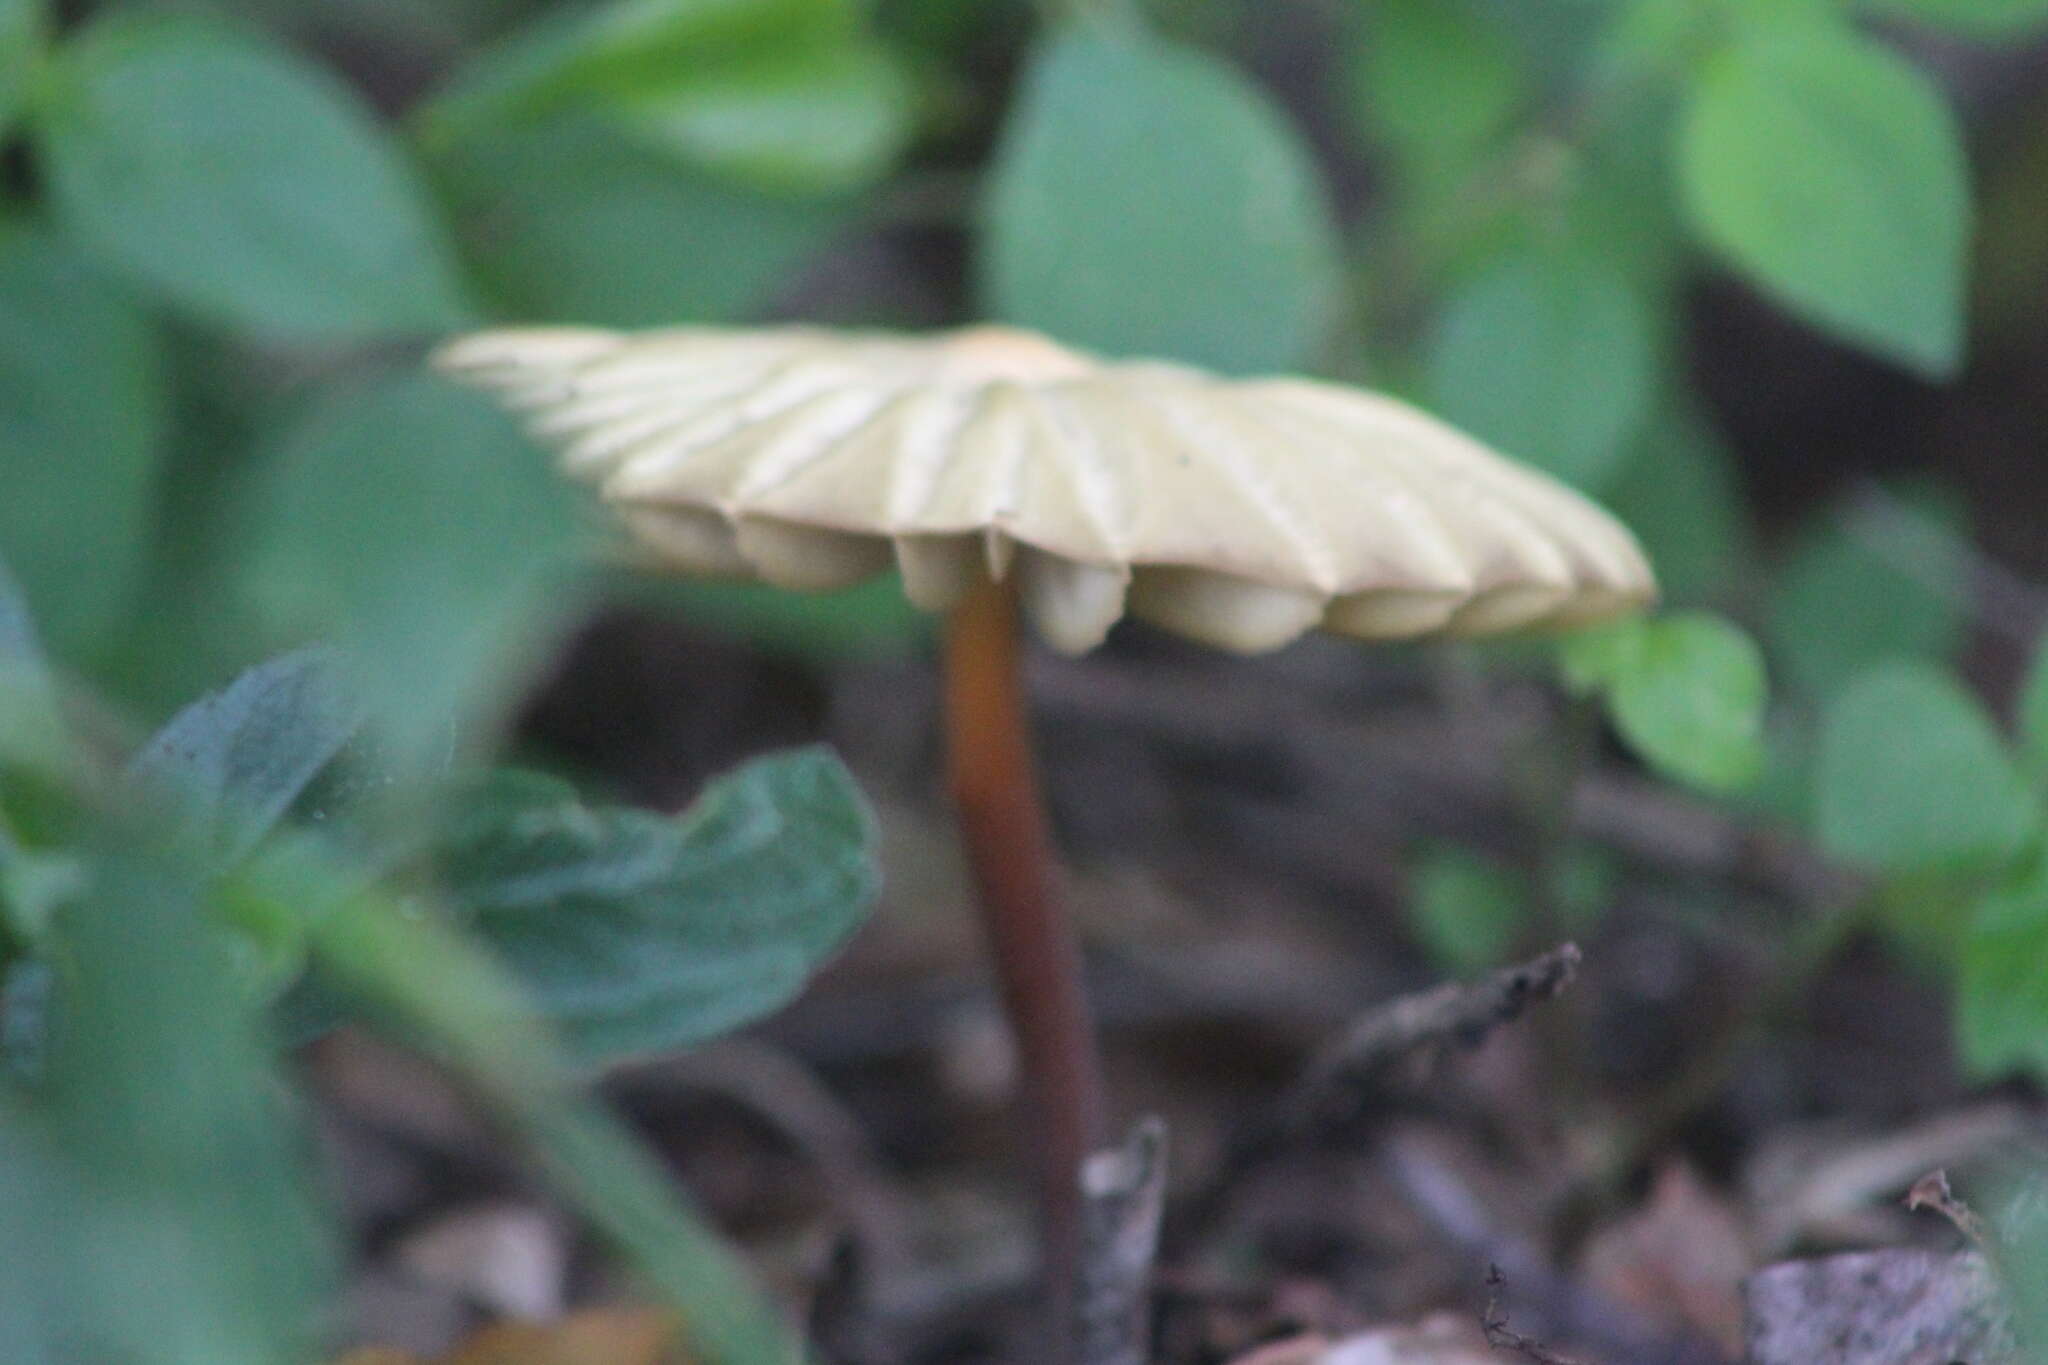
(1002, 823)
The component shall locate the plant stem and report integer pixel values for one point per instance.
(1002, 822)
(460, 1004)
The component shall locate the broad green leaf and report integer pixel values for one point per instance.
(1912, 777)
(1649, 39)
(236, 760)
(2002, 992)
(1147, 200)
(23, 26)
(30, 723)
(1874, 579)
(805, 121)
(1678, 492)
(81, 425)
(1599, 656)
(625, 46)
(1551, 355)
(782, 95)
(635, 932)
(2033, 715)
(572, 220)
(241, 184)
(1971, 18)
(1832, 173)
(1687, 691)
(1466, 910)
(1690, 699)
(182, 1226)
(412, 524)
(1435, 80)
(447, 992)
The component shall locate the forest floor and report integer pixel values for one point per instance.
(1583, 1162)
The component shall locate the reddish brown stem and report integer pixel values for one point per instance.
(1002, 821)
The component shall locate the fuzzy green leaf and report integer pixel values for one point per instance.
(171, 1206)
(1687, 692)
(1691, 701)
(1435, 80)
(1148, 200)
(23, 32)
(241, 184)
(413, 525)
(573, 220)
(82, 418)
(1832, 173)
(790, 96)
(2002, 993)
(636, 932)
(1870, 581)
(1679, 493)
(1552, 357)
(236, 760)
(1912, 777)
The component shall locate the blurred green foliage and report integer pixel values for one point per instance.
(1220, 251)
(225, 233)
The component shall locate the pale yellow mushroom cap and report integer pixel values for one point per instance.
(1238, 512)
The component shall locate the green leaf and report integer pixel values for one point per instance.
(1147, 200)
(572, 220)
(1597, 657)
(636, 932)
(1988, 19)
(2033, 716)
(1832, 173)
(804, 121)
(178, 1220)
(1876, 578)
(241, 184)
(450, 994)
(1687, 692)
(30, 723)
(1435, 80)
(1912, 777)
(414, 525)
(23, 35)
(81, 424)
(1466, 910)
(1551, 355)
(781, 95)
(2001, 992)
(1679, 493)
(236, 760)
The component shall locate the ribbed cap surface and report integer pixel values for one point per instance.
(1238, 512)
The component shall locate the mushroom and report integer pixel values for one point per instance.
(996, 469)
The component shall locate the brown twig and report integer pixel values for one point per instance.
(1457, 1013)
(1931, 1191)
(1341, 1080)
(1502, 1337)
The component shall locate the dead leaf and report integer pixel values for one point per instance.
(598, 1336)
(1445, 1339)
(1892, 1307)
(1679, 1258)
